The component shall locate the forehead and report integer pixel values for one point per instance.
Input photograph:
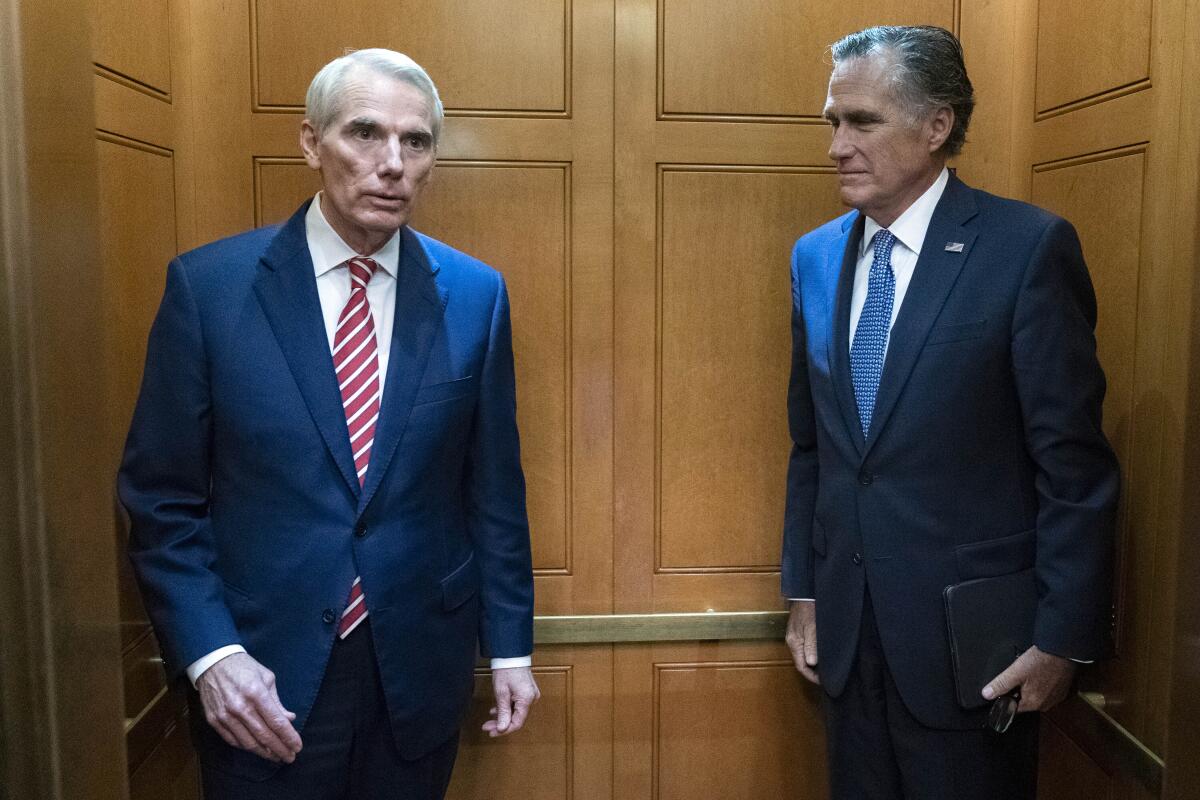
(860, 83)
(383, 98)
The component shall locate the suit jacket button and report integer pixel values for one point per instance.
(360, 530)
(856, 558)
(865, 478)
(328, 616)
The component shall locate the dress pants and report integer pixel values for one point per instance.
(879, 751)
(348, 751)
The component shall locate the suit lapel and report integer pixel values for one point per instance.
(934, 276)
(287, 291)
(420, 303)
(842, 277)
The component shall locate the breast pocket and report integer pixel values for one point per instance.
(448, 390)
(956, 332)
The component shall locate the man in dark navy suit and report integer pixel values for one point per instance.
(945, 414)
(323, 474)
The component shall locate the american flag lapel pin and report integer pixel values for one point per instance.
(954, 247)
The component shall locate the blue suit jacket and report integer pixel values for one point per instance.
(248, 524)
(985, 455)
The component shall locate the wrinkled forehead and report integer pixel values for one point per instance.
(862, 81)
(369, 92)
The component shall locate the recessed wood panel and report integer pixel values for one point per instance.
(1103, 199)
(564, 752)
(724, 345)
(484, 55)
(1090, 47)
(764, 57)
(137, 229)
(514, 217)
(736, 730)
(280, 186)
(133, 41)
(533, 763)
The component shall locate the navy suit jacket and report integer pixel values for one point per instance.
(248, 524)
(985, 455)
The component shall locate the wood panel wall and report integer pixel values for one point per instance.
(638, 170)
(142, 129)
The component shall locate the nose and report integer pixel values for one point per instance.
(391, 159)
(839, 144)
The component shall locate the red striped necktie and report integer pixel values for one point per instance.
(356, 361)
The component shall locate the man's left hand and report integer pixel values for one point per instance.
(1044, 680)
(516, 691)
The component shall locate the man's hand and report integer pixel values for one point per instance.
(1044, 680)
(516, 691)
(802, 637)
(241, 704)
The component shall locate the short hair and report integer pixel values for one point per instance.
(927, 71)
(323, 101)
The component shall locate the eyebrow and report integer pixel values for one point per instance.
(361, 122)
(854, 117)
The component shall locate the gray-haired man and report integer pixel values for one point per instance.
(945, 415)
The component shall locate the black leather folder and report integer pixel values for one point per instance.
(990, 621)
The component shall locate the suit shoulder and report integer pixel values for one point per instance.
(228, 255)
(1016, 214)
(455, 265)
(819, 238)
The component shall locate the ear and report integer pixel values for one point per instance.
(308, 144)
(941, 123)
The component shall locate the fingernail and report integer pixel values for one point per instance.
(988, 693)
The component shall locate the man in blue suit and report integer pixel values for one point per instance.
(323, 475)
(944, 408)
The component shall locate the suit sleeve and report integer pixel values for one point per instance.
(1061, 389)
(796, 571)
(164, 485)
(496, 500)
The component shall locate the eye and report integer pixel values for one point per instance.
(417, 141)
(362, 134)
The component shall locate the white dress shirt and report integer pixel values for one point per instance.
(329, 255)
(909, 230)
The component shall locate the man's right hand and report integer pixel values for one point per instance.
(241, 704)
(802, 637)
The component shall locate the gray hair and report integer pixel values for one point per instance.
(927, 72)
(323, 101)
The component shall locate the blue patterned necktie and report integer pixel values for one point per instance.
(874, 324)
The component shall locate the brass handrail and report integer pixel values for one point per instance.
(665, 627)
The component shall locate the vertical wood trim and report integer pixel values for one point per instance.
(59, 663)
(1182, 778)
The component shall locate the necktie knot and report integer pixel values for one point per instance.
(883, 241)
(361, 270)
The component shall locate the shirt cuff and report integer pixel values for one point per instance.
(801, 600)
(509, 663)
(200, 665)
(1081, 661)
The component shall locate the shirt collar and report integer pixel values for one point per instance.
(329, 251)
(911, 226)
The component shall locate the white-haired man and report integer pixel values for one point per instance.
(323, 473)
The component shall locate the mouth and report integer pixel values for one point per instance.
(387, 199)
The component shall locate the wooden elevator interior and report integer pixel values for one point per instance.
(638, 170)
